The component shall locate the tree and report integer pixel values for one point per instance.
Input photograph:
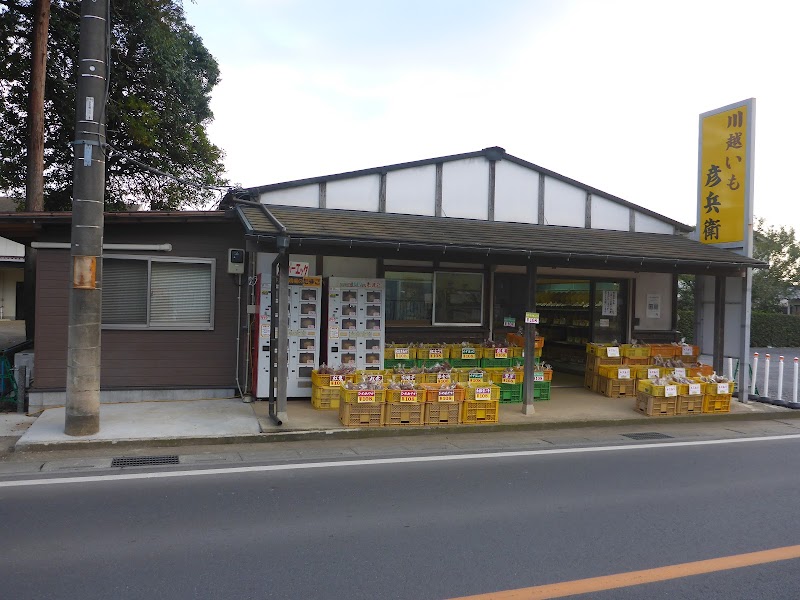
(161, 79)
(779, 247)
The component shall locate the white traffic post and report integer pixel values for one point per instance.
(780, 378)
(730, 368)
(766, 377)
(794, 390)
(753, 375)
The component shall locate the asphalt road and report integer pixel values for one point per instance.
(413, 530)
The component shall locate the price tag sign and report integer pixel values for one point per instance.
(509, 322)
(723, 388)
(532, 318)
(366, 395)
(333, 333)
(401, 353)
(624, 373)
(409, 377)
(680, 372)
(447, 395)
(467, 353)
(509, 378)
(612, 351)
(408, 395)
(443, 377)
(687, 351)
(538, 375)
(483, 393)
(654, 373)
(375, 378)
(501, 352)
(337, 380)
(695, 389)
(670, 391)
(476, 377)
(435, 353)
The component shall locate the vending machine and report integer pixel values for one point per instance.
(305, 296)
(356, 322)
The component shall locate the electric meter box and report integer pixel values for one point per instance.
(235, 261)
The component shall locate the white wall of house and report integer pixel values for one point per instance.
(8, 292)
(648, 224)
(610, 215)
(412, 191)
(465, 188)
(564, 204)
(516, 193)
(11, 249)
(358, 193)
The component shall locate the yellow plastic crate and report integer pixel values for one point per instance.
(615, 372)
(401, 377)
(370, 376)
(389, 352)
(407, 396)
(669, 390)
(433, 352)
(460, 352)
(496, 375)
(324, 398)
(325, 380)
(477, 391)
(438, 377)
(401, 414)
(718, 389)
(717, 403)
(634, 351)
(361, 396)
(480, 411)
(465, 375)
(647, 372)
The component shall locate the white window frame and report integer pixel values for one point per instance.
(168, 326)
(483, 299)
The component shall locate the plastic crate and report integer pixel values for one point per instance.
(389, 352)
(458, 363)
(473, 389)
(717, 403)
(616, 388)
(398, 414)
(664, 350)
(689, 405)
(405, 396)
(510, 393)
(460, 352)
(672, 390)
(718, 389)
(434, 393)
(635, 362)
(438, 377)
(655, 406)
(424, 352)
(489, 363)
(595, 362)
(325, 380)
(480, 411)
(426, 364)
(541, 391)
(601, 350)
(361, 396)
(588, 380)
(370, 376)
(700, 371)
(361, 415)
(462, 375)
(613, 372)
(496, 375)
(687, 352)
(647, 372)
(442, 413)
(389, 363)
(324, 398)
(628, 351)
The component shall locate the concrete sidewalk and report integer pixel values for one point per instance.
(229, 421)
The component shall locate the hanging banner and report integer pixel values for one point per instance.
(724, 187)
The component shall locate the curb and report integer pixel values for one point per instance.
(375, 432)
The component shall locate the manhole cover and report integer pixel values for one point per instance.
(144, 461)
(648, 435)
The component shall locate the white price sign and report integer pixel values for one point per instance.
(443, 377)
(408, 395)
(654, 373)
(408, 377)
(695, 389)
(624, 373)
(337, 380)
(538, 375)
(723, 388)
(670, 391)
(680, 372)
(532, 318)
(435, 353)
(687, 351)
(298, 269)
(612, 351)
(401, 353)
(483, 393)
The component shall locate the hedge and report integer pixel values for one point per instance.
(766, 329)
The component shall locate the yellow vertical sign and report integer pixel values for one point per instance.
(723, 168)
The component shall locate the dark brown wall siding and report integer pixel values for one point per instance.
(144, 359)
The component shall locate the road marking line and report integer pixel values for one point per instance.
(633, 578)
(387, 461)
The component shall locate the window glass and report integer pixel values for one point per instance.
(124, 292)
(180, 293)
(409, 298)
(459, 298)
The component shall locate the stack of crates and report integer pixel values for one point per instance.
(599, 355)
(361, 408)
(399, 356)
(511, 382)
(465, 355)
(404, 407)
(717, 397)
(443, 404)
(481, 404)
(429, 355)
(615, 381)
(657, 400)
(325, 389)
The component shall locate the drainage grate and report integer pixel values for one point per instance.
(144, 461)
(648, 435)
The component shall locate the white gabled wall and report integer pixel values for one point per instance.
(305, 195)
(358, 193)
(516, 193)
(647, 224)
(609, 215)
(564, 204)
(412, 191)
(465, 188)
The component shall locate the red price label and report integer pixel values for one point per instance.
(337, 380)
(408, 395)
(366, 395)
(501, 352)
(447, 395)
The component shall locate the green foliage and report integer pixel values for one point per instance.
(774, 329)
(686, 324)
(160, 85)
(779, 247)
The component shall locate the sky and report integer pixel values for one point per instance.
(605, 92)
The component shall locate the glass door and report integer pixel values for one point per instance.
(609, 312)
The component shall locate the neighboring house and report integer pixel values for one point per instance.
(12, 263)
(793, 302)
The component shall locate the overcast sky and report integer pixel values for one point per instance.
(605, 92)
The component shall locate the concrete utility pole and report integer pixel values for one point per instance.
(86, 294)
(34, 176)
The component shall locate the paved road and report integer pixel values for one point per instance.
(412, 530)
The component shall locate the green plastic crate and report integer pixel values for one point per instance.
(498, 362)
(390, 363)
(512, 392)
(464, 362)
(433, 362)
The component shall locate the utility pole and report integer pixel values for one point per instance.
(86, 294)
(34, 176)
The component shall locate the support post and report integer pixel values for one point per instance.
(530, 341)
(82, 414)
(744, 347)
(282, 360)
(719, 323)
(21, 379)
